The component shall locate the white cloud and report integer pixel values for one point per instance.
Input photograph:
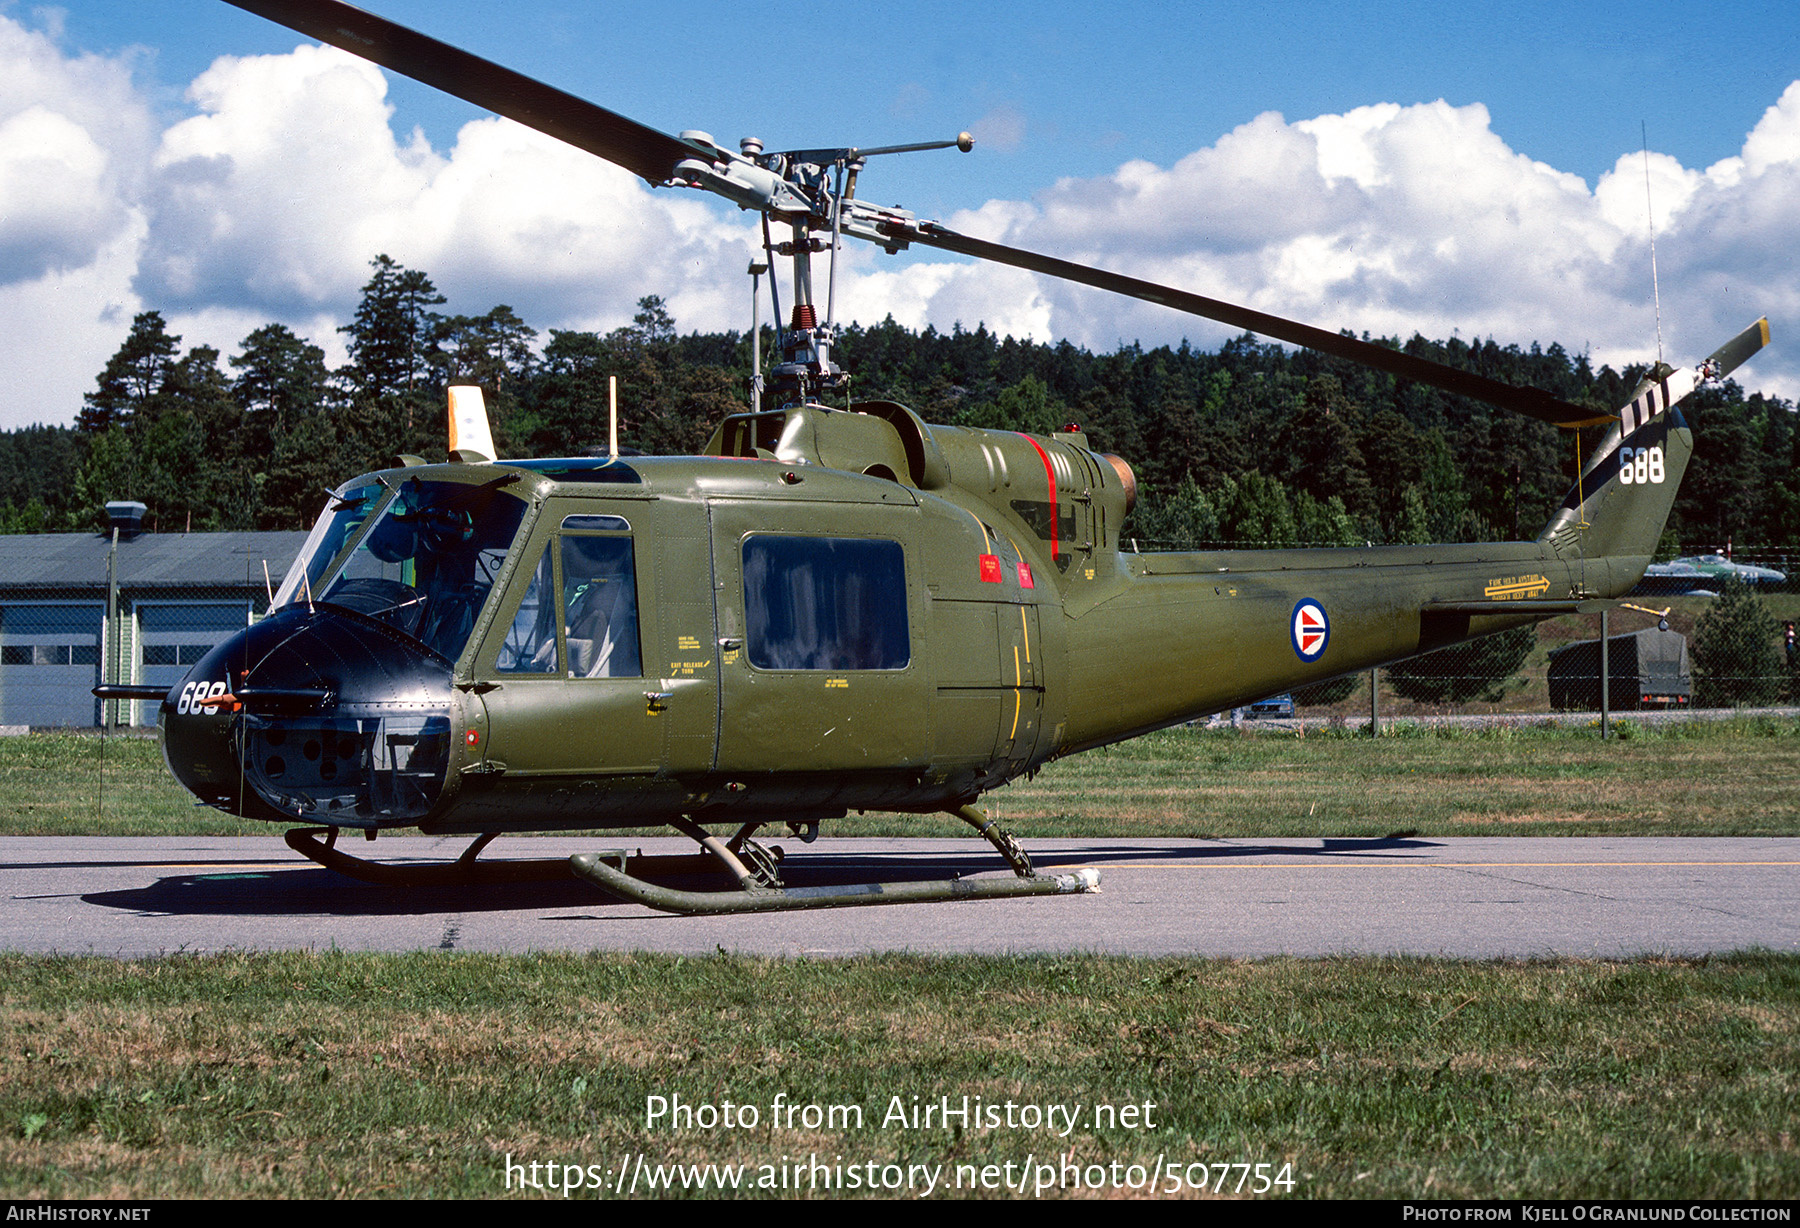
(1775, 141)
(73, 138)
(1725, 246)
(59, 329)
(278, 194)
(273, 195)
(72, 135)
(1394, 220)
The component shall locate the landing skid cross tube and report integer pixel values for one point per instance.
(465, 869)
(755, 869)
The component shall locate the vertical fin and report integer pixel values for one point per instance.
(1622, 498)
(1663, 389)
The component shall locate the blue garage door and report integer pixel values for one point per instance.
(177, 634)
(49, 663)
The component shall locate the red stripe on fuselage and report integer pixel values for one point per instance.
(1049, 476)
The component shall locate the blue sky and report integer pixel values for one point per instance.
(1568, 84)
(1134, 135)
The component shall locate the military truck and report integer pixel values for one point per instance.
(1645, 669)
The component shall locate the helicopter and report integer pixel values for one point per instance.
(831, 608)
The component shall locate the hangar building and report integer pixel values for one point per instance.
(75, 611)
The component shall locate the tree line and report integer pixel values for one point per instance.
(1250, 444)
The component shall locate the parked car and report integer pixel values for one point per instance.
(1274, 705)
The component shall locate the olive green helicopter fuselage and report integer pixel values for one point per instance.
(836, 610)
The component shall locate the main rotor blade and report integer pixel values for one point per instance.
(1530, 401)
(642, 150)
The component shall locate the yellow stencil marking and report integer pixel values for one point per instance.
(843, 683)
(1515, 588)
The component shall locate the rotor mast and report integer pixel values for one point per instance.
(814, 192)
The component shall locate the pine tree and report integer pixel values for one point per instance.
(394, 395)
(493, 350)
(566, 408)
(279, 376)
(653, 325)
(133, 378)
(392, 335)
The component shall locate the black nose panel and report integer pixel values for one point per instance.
(316, 714)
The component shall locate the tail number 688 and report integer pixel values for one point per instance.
(1641, 466)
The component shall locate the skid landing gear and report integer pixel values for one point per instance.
(755, 868)
(760, 889)
(466, 870)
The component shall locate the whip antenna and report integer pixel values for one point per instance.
(1650, 216)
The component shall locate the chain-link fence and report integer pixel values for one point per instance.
(1707, 659)
(1663, 654)
(53, 652)
(1727, 643)
(1729, 647)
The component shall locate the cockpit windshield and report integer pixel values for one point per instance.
(329, 541)
(424, 564)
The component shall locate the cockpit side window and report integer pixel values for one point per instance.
(579, 615)
(600, 611)
(530, 645)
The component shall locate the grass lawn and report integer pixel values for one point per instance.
(1737, 777)
(320, 1075)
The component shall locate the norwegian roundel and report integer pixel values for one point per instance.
(1310, 629)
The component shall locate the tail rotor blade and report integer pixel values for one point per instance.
(1734, 353)
(1659, 394)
